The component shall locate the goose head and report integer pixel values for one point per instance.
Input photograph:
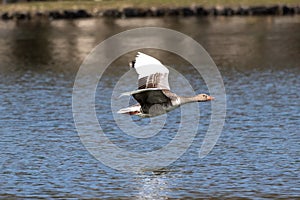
(204, 97)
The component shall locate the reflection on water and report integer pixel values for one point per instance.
(153, 187)
(255, 39)
(257, 155)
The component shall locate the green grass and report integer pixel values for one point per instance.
(96, 5)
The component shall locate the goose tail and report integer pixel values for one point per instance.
(132, 110)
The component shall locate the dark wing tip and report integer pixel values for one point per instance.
(131, 64)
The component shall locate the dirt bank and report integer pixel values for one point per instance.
(129, 12)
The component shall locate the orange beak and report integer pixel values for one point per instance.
(210, 98)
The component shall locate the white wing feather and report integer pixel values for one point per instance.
(146, 65)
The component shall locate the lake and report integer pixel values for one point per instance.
(257, 155)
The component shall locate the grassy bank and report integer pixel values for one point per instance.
(97, 5)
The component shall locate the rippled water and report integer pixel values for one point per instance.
(257, 155)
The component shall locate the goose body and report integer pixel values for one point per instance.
(153, 95)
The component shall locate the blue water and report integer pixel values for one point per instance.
(257, 155)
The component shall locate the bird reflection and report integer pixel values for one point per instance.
(153, 186)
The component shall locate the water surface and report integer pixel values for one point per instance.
(257, 155)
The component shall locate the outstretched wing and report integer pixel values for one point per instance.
(149, 98)
(152, 73)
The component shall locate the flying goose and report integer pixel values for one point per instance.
(153, 94)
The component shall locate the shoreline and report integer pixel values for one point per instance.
(131, 12)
